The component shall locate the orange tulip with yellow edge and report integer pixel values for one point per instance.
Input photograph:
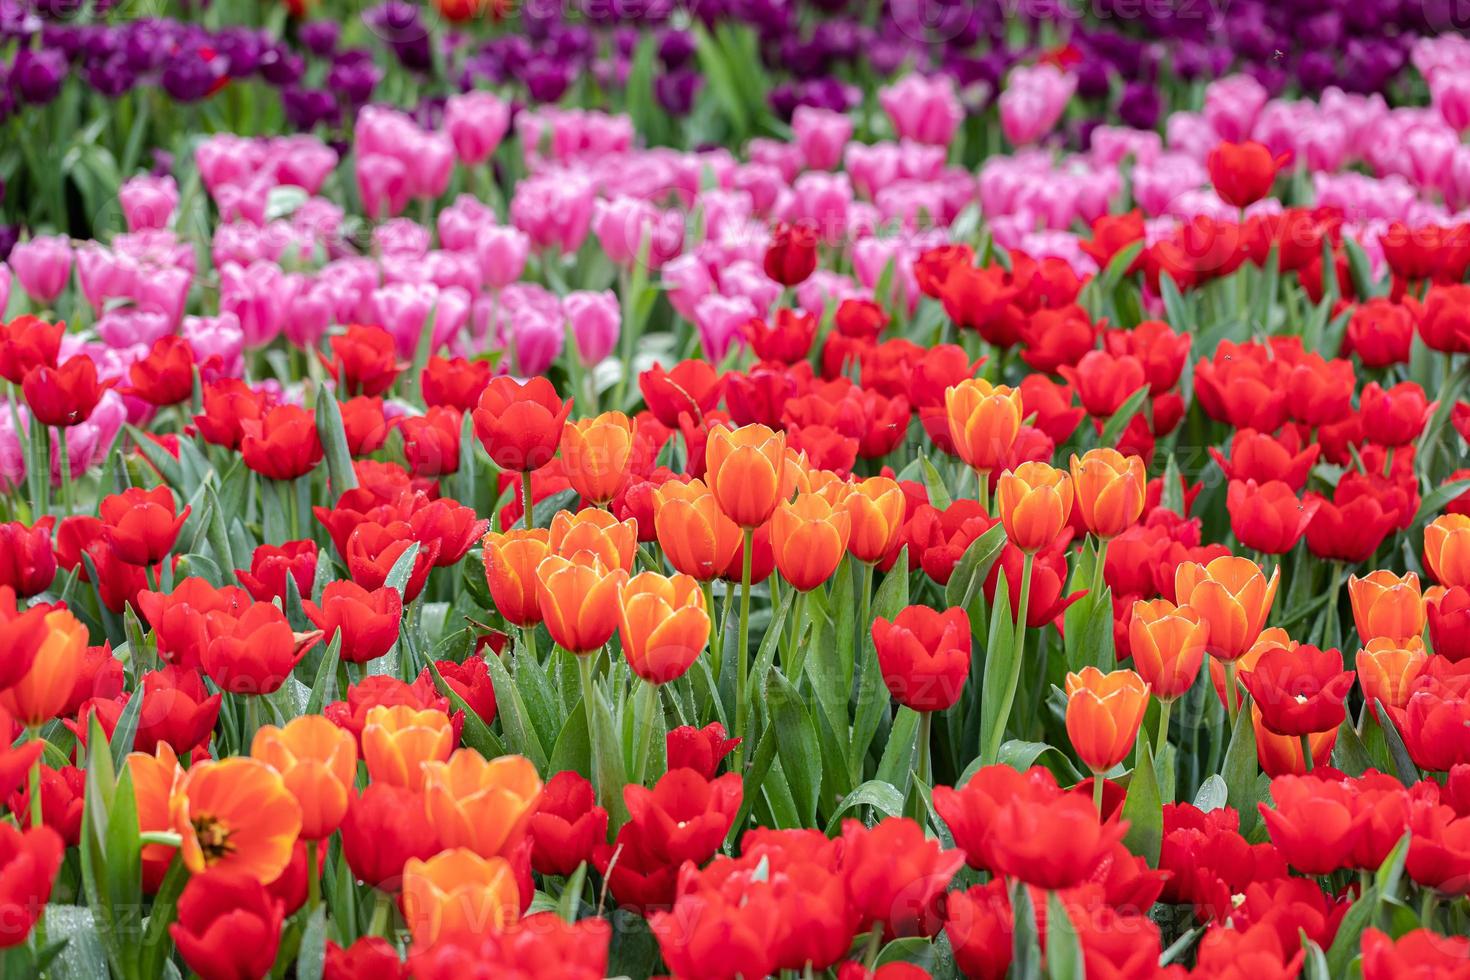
(457, 894)
(696, 537)
(745, 469)
(1447, 549)
(796, 474)
(1232, 595)
(1388, 668)
(664, 625)
(1110, 490)
(1034, 501)
(235, 815)
(154, 778)
(1387, 605)
(481, 805)
(831, 487)
(43, 691)
(1168, 646)
(614, 542)
(809, 538)
(875, 507)
(1103, 715)
(984, 420)
(579, 600)
(511, 558)
(595, 454)
(318, 761)
(398, 739)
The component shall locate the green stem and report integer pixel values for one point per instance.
(63, 462)
(382, 915)
(926, 721)
(584, 668)
(526, 499)
(982, 491)
(872, 947)
(293, 510)
(1097, 793)
(313, 882)
(1307, 752)
(1427, 906)
(714, 630)
(742, 655)
(1230, 693)
(35, 783)
(1163, 737)
(1097, 570)
(528, 641)
(991, 752)
(795, 653)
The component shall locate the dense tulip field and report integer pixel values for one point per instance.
(795, 489)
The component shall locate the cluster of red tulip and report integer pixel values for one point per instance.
(791, 684)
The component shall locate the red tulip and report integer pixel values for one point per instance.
(367, 621)
(180, 619)
(791, 256)
(471, 681)
(385, 827)
(283, 444)
(142, 525)
(364, 425)
(1299, 691)
(454, 382)
(229, 926)
(924, 656)
(28, 865)
(1314, 823)
(65, 395)
(28, 342)
(700, 749)
(1104, 382)
(166, 375)
(364, 360)
(270, 566)
(1268, 517)
(520, 425)
(685, 816)
(254, 653)
(786, 341)
(27, 561)
(370, 958)
(431, 442)
(567, 826)
(692, 386)
(177, 710)
(895, 875)
(228, 404)
(1243, 172)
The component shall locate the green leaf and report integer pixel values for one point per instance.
(1360, 268)
(476, 734)
(514, 721)
(161, 458)
(1404, 767)
(1022, 755)
(796, 743)
(334, 444)
(972, 568)
(1240, 771)
(755, 776)
(1000, 653)
(1143, 810)
(325, 672)
(881, 796)
(934, 483)
(898, 755)
(1112, 430)
(1391, 872)
(1435, 501)
(1349, 754)
(1212, 793)
(1063, 947)
(127, 728)
(1175, 307)
(311, 959)
(573, 749)
(1025, 946)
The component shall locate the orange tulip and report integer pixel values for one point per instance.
(1387, 669)
(984, 420)
(510, 572)
(595, 454)
(154, 778)
(746, 468)
(1103, 715)
(483, 806)
(1387, 605)
(398, 739)
(43, 691)
(1232, 595)
(579, 600)
(797, 474)
(1110, 490)
(318, 761)
(457, 894)
(1447, 549)
(831, 487)
(1272, 636)
(1168, 644)
(1034, 500)
(614, 542)
(1281, 755)
(664, 625)
(876, 508)
(809, 538)
(697, 538)
(238, 816)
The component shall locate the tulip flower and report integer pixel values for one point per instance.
(237, 816)
(984, 421)
(271, 565)
(397, 740)
(479, 805)
(228, 926)
(595, 454)
(685, 816)
(1385, 958)
(318, 762)
(66, 395)
(471, 681)
(386, 827)
(1300, 691)
(511, 559)
(368, 622)
(791, 256)
(893, 874)
(700, 749)
(1387, 670)
(695, 535)
(1109, 491)
(228, 404)
(597, 532)
(664, 625)
(256, 652)
(745, 471)
(1034, 501)
(1104, 712)
(28, 342)
(1448, 612)
(876, 508)
(1386, 605)
(924, 656)
(154, 775)
(1243, 172)
(142, 525)
(1447, 549)
(578, 597)
(458, 894)
(1233, 597)
(22, 636)
(1168, 645)
(177, 710)
(373, 549)
(363, 360)
(566, 825)
(166, 375)
(283, 444)
(42, 688)
(809, 538)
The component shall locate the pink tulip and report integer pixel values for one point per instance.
(1111, 145)
(124, 327)
(821, 200)
(148, 201)
(554, 210)
(382, 184)
(748, 279)
(258, 295)
(403, 238)
(163, 291)
(721, 321)
(1033, 102)
(926, 110)
(820, 134)
(219, 343)
(825, 290)
(476, 122)
(103, 275)
(624, 224)
(687, 280)
(42, 266)
(1449, 90)
(501, 252)
(1232, 105)
(301, 161)
(596, 322)
(430, 160)
(762, 182)
(460, 223)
